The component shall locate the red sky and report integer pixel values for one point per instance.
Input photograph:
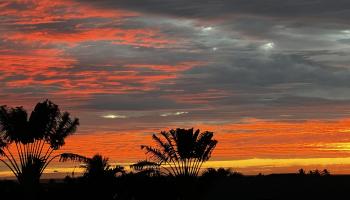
(271, 86)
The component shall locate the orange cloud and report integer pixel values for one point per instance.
(36, 52)
(33, 62)
(251, 146)
(40, 12)
(46, 12)
(245, 140)
(135, 37)
(270, 139)
(168, 68)
(78, 82)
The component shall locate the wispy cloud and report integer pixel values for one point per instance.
(112, 116)
(173, 114)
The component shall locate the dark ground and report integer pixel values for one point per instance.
(276, 187)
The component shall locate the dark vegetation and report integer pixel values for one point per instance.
(179, 152)
(171, 170)
(214, 184)
(34, 138)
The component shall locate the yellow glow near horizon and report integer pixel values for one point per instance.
(337, 146)
(246, 166)
(260, 162)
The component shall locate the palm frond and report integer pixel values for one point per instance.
(118, 169)
(170, 145)
(183, 151)
(140, 165)
(43, 119)
(66, 126)
(64, 157)
(155, 153)
(166, 147)
(13, 124)
(196, 134)
(209, 149)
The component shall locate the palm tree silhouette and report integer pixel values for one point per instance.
(181, 152)
(97, 167)
(34, 139)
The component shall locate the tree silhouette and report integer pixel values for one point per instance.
(325, 172)
(315, 172)
(220, 173)
(301, 172)
(96, 167)
(33, 139)
(180, 152)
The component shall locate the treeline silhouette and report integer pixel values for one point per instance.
(171, 170)
(212, 184)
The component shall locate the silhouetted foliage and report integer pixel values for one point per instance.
(325, 172)
(34, 139)
(96, 168)
(302, 172)
(220, 173)
(136, 187)
(179, 152)
(315, 172)
(145, 167)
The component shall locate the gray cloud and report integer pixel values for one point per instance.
(219, 8)
(235, 76)
(132, 102)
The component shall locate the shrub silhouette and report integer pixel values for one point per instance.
(220, 173)
(180, 152)
(325, 172)
(301, 172)
(34, 139)
(315, 172)
(96, 168)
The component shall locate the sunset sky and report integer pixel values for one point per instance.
(271, 78)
